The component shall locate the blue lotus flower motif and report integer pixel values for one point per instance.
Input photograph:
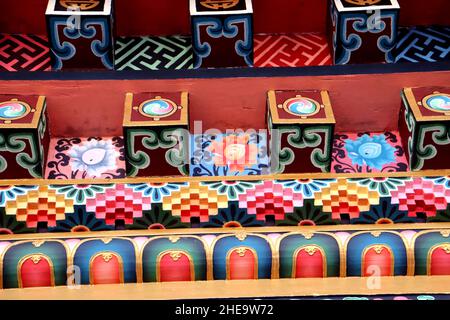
(374, 151)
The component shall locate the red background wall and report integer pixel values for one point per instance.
(95, 108)
(163, 17)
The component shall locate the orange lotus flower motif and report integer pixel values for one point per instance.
(235, 152)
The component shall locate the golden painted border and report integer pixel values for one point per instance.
(128, 107)
(445, 234)
(430, 253)
(99, 235)
(297, 252)
(28, 256)
(93, 4)
(206, 247)
(98, 254)
(342, 256)
(305, 116)
(166, 252)
(158, 98)
(384, 246)
(313, 287)
(436, 93)
(12, 244)
(329, 116)
(411, 99)
(241, 232)
(255, 261)
(28, 110)
(36, 115)
(381, 230)
(108, 238)
(169, 179)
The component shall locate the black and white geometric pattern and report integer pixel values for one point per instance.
(423, 44)
(153, 53)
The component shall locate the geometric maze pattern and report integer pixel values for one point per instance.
(153, 53)
(31, 53)
(423, 44)
(24, 52)
(294, 50)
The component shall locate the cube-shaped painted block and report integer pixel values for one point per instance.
(425, 127)
(156, 133)
(81, 34)
(363, 31)
(301, 128)
(24, 136)
(222, 33)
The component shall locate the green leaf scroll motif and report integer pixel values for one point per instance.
(440, 135)
(175, 140)
(301, 139)
(17, 143)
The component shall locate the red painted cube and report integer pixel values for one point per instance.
(24, 136)
(156, 133)
(425, 127)
(301, 127)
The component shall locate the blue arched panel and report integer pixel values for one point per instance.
(259, 244)
(122, 247)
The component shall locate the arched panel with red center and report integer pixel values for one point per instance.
(439, 260)
(242, 264)
(106, 268)
(35, 270)
(309, 262)
(377, 260)
(175, 265)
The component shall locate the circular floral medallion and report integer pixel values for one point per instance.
(13, 110)
(157, 108)
(301, 106)
(437, 102)
(94, 157)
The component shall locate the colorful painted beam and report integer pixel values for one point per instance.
(224, 254)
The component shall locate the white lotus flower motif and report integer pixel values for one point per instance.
(94, 157)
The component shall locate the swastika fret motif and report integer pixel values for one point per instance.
(294, 50)
(24, 52)
(153, 53)
(423, 44)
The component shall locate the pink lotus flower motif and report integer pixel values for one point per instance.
(421, 196)
(234, 151)
(118, 203)
(270, 198)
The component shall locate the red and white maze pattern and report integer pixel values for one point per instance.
(24, 52)
(295, 50)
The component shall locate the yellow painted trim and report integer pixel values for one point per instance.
(129, 106)
(168, 179)
(36, 116)
(329, 117)
(432, 226)
(412, 101)
(239, 289)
